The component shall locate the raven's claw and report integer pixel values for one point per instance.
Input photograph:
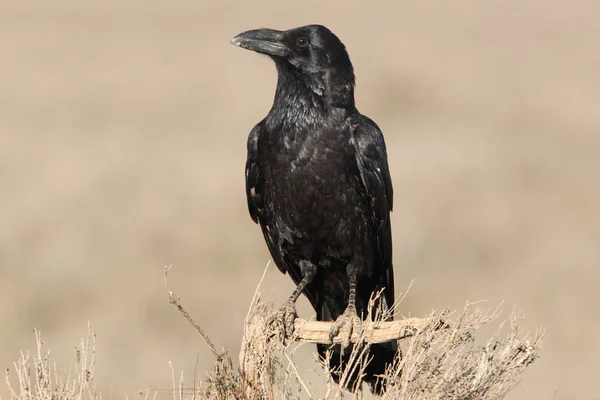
(347, 323)
(284, 320)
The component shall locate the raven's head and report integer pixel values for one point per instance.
(311, 53)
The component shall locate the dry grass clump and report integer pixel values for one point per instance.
(440, 357)
(37, 377)
(449, 364)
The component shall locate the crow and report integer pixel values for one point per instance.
(318, 183)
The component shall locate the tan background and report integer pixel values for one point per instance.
(122, 148)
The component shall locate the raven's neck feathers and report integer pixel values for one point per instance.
(301, 99)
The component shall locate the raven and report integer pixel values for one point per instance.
(318, 183)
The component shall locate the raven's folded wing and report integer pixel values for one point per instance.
(256, 207)
(371, 157)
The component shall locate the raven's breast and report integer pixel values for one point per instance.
(314, 189)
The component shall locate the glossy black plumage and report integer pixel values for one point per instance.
(318, 183)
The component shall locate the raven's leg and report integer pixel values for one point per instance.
(348, 322)
(287, 314)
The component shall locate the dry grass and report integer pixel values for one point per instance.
(38, 378)
(451, 365)
(436, 364)
(440, 360)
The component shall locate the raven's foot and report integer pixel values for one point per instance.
(347, 323)
(284, 320)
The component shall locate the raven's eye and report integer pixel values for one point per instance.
(302, 41)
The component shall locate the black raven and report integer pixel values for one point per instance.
(317, 181)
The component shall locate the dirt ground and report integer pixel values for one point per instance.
(122, 148)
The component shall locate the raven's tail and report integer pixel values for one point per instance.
(380, 357)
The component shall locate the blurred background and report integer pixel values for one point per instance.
(123, 128)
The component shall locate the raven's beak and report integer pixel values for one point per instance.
(266, 41)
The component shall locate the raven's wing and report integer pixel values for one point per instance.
(371, 157)
(257, 208)
(254, 176)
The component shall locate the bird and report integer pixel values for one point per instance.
(318, 184)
